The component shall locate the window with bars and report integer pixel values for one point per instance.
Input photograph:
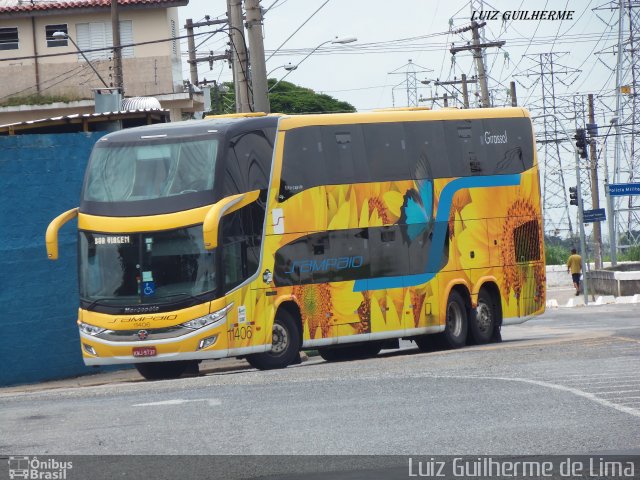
(9, 38)
(54, 41)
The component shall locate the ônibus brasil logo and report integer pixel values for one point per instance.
(34, 468)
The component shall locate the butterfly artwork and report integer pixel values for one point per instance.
(417, 209)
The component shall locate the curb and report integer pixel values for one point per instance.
(600, 300)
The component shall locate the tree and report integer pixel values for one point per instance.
(284, 98)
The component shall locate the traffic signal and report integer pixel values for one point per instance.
(573, 195)
(581, 142)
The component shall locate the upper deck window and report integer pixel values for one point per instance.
(390, 151)
(150, 170)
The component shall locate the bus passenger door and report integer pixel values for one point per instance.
(240, 259)
(242, 330)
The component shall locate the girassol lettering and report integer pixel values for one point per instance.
(492, 138)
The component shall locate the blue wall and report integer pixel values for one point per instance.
(40, 177)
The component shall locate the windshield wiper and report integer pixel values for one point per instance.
(101, 302)
(181, 294)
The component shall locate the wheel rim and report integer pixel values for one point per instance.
(454, 319)
(280, 339)
(483, 317)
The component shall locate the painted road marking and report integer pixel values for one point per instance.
(211, 401)
(580, 393)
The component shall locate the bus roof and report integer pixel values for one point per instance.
(222, 125)
(288, 122)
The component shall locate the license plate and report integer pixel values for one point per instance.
(144, 351)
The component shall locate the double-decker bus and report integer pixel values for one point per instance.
(256, 236)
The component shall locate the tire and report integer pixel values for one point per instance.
(350, 352)
(456, 323)
(285, 349)
(164, 370)
(482, 324)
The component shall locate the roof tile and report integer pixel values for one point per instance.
(8, 6)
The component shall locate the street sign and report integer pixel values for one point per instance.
(624, 189)
(597, 215)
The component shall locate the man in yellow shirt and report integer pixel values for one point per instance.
(574, 265)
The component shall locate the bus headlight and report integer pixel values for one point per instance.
(90, 329)
(214, 317)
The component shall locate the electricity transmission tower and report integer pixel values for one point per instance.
(551, 150)
(410, 82)
(627, 114)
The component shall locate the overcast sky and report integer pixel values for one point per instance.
(390, 33)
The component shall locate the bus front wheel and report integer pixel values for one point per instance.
(456, 323)
(285, 344)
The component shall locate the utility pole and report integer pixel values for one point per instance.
(463, 82)
(258, 65)
(238, 55)
(514, 98)
(191, 51)
(118, 80)
(191, 46)
(478, 49)
(482, 75)
(595, 194)
(445, 99)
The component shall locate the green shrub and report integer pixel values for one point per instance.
(556, 255)
(631, 254)
(38, 100)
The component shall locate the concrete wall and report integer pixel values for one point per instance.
(151, 71)
(41, 176)
(619, 284)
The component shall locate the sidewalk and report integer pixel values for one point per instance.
(562, 297)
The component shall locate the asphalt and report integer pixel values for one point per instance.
(557, 297)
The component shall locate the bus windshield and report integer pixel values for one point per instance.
(150, 169)
(145, 268)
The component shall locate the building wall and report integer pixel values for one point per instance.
(41, 177)
(151, 71)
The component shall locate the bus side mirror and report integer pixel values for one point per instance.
(51, 237)
(218, 210)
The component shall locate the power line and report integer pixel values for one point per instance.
(102, 49)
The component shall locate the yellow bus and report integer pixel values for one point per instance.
(257, 236)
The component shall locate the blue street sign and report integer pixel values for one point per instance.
(590, 216)
(624, 189)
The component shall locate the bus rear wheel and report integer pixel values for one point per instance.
(483, 322)
(456, 323)
(285, 344)
(165, 370)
